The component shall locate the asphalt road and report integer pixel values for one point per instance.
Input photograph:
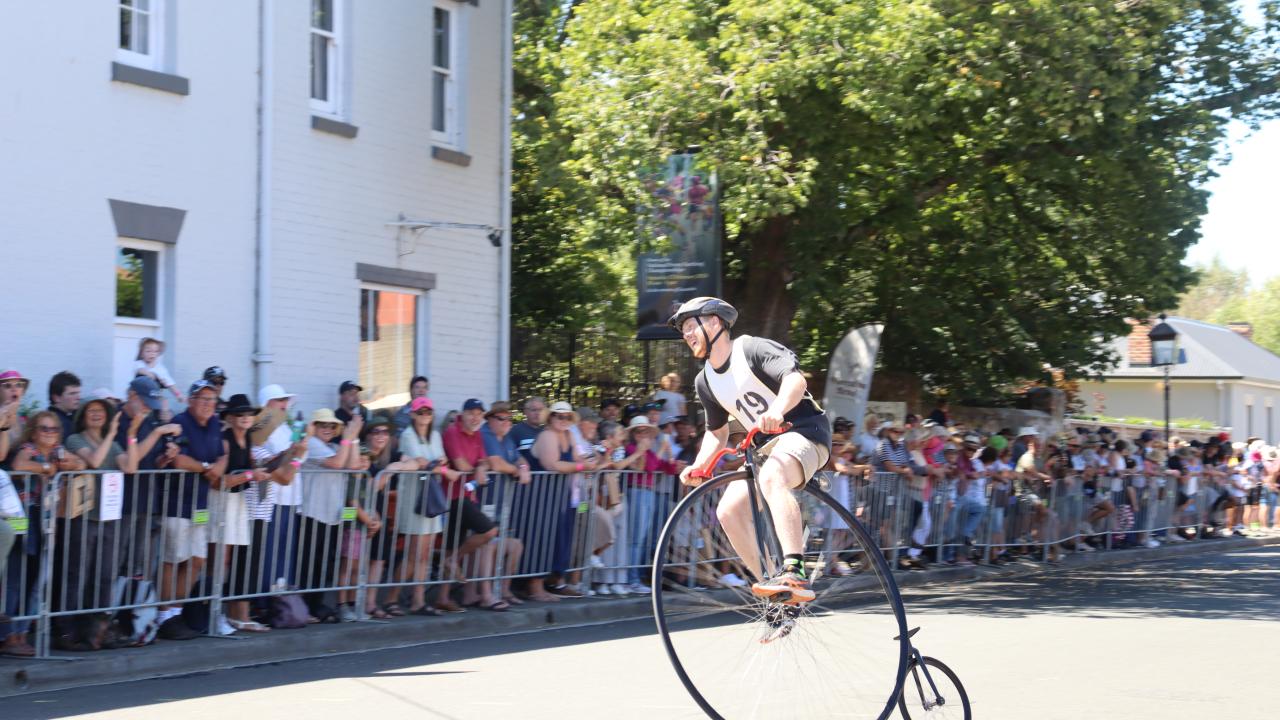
(1197, 637)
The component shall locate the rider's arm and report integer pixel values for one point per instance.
(712, 441)
(789, 395)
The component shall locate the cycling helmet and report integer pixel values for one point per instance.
(704, 307)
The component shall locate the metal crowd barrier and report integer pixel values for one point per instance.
(93, 544)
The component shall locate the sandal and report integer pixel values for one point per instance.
(449, 606)
(512, 600)
(499, 606)
(426, 611)
(376, 613)
(393, 609)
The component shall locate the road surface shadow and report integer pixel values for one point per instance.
(1241, 584)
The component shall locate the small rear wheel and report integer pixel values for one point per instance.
(949, 702)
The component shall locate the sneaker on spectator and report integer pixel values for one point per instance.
(347, 613)
(732, 580)
(638, 589)
(1152, 544)
(583, 590)
(620, 589)
(603, 589)
(1175, 538)
(596, 562)
(224, 627)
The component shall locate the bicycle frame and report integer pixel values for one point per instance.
(759, 506)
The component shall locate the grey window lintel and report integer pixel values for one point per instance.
(395, 276)
(165, 82)
(450, 156)
(147, 222)
(336, 127)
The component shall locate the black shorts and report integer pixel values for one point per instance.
(1255, 495)
(465, 518)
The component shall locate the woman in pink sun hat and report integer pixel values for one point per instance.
(13, 387)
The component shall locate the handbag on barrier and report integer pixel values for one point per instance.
(288, 611)
(431, 501)
(135, 626)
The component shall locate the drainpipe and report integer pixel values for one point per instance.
(262, 357)
(504, 213)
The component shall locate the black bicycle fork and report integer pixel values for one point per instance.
(916, 660)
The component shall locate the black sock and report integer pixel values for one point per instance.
(794, 561)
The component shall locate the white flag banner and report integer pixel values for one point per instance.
(849, 377)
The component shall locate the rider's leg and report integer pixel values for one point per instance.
(779, 476)
(734, 514)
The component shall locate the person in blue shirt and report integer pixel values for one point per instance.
(184, 498)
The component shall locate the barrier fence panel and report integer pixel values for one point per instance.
(21, 580)
(89, 545)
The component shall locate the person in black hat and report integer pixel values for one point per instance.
(611, 409)
(349, 402)
(217, 377)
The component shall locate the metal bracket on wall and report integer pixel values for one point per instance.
(407, 246)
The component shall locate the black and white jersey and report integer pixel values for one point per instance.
(749, 383)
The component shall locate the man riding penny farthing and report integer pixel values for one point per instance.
(819, 628)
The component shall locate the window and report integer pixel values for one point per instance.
(388, 344)
(141, 33)
(444, 85)
(326, 62)
(137, 270)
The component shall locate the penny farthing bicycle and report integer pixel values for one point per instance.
(846, 654)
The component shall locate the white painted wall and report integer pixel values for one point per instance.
(1224, 402)
(333, 197)
(71, 138)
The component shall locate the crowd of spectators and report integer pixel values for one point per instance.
(411, 505)
(280, 503)
(988, 497)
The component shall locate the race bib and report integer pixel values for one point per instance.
(200, 517)
(348, 514)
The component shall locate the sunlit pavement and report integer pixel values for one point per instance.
(1195, 637)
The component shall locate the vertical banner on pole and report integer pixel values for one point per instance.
(684, 213)
(849, 377)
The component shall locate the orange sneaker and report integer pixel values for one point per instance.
(787, 587)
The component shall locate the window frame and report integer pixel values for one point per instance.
(159, 248)
(451, 136)
(419, 330)
(333, 106)
(153, 59)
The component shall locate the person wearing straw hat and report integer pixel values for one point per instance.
(642, 518)
(759, 382)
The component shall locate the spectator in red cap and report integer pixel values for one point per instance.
(469, 530)
(420, 442)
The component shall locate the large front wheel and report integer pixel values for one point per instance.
(742, 657)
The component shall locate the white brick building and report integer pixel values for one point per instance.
(241, 163)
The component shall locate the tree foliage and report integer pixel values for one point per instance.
(1000, 182)
(1222, 295)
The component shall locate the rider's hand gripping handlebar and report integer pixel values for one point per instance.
(741, 447)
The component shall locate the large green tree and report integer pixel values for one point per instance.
(1001, 182)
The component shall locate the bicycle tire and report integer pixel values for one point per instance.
(911, 689)
(871, 690)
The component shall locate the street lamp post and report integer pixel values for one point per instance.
(1164, 353)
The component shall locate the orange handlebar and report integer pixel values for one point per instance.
(742, 447)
